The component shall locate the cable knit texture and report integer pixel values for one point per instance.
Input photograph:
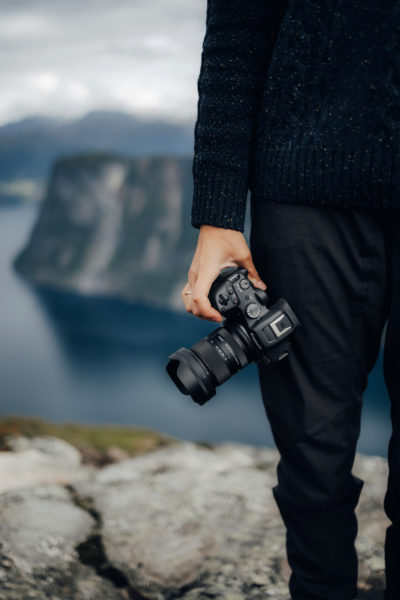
(298, 101)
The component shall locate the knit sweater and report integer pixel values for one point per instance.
(298, 101)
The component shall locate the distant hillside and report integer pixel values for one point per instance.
(116, 226)
(29, 147)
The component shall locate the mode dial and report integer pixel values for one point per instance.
(253, 310)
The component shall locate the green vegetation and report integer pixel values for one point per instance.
(94, 441)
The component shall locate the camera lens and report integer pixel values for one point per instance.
(211, 361)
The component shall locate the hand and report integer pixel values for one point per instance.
(217, 248)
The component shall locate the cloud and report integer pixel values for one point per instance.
(60, 57)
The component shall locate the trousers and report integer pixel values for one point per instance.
(339, 269)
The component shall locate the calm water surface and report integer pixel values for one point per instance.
(103, 361)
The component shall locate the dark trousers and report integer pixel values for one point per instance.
(339, 269)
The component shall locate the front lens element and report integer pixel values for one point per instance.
(210, 362)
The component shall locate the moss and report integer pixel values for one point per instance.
(92, 440)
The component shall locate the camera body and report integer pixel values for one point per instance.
(237, 299)
(252, 331)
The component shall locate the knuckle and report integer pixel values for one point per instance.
(246, 255)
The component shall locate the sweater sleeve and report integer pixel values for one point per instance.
(237, 46)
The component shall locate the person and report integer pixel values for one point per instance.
(299, 105)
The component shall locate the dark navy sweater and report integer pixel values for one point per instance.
(298, 101)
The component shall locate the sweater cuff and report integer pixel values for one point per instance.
(219, 198)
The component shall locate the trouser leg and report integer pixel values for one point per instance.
(329, 263)
(391, 370)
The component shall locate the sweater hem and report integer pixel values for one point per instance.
(304, 171)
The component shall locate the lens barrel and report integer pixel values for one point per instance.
(211, 361)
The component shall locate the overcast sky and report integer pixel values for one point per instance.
(65, 57)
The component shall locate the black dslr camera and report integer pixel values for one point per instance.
(252, 331)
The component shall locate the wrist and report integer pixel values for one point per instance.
(205, 227)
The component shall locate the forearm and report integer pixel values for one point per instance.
(237, 47)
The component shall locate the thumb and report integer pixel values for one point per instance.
(253, 273)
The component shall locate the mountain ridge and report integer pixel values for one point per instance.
(28, 147)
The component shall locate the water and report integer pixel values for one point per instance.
(64, 357)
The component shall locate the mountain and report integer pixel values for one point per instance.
(113, 225)
(29, 147)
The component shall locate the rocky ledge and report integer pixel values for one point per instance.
(188, 520)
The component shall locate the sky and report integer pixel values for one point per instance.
(63, 58)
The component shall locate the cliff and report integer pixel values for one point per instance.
(188, 520)
(118, 226)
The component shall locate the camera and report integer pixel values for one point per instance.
(252, 331)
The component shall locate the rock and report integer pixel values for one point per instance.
(40, 529)
(114, 454)
(372, 520)
(187, 521)
(53, 448)
(42, 459)
(191, 522)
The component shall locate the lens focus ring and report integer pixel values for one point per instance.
(214, 358)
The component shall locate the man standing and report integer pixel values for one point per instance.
(299, 102)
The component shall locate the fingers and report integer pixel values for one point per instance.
(186, 298)
(201, 305)
(198, 302)
(216, 248)
(252, 274)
